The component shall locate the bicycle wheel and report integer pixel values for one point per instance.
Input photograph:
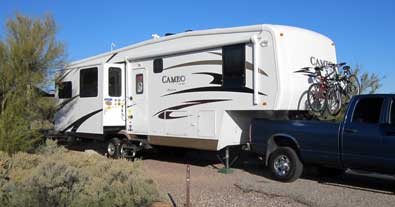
(334, 101)
(353, 87)
(316, 97)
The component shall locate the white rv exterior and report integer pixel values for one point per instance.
(197, 89)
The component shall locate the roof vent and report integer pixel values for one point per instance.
(155, 36)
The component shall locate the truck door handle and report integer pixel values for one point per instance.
(351, 131)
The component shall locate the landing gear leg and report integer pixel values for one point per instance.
(226, 169)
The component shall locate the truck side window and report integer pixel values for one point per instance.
(392, 113)
(233, 66)
(368, 111)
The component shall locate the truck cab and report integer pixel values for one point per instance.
(368, 138)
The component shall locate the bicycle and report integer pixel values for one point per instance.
(317, 92)
(343, 87)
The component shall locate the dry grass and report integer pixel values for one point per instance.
(55, 177)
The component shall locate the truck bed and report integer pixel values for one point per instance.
(317, 140)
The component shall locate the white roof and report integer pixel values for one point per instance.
(198, 33)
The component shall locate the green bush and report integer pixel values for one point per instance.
(29, 51)
(57, 177)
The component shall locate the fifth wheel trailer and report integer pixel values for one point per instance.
(196, 89)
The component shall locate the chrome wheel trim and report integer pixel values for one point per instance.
(282, 165)
(123, 152)
(111, 149)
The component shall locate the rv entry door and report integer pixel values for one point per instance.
(137, 101)
(114, 95)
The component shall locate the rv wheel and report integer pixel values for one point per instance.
(285, 165)
(128, 150)
(113, 146)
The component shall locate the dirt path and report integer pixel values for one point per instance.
(208, 187)
(249, 185)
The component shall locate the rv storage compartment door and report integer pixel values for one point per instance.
(206, 124)
(114, 95)
(177, 122)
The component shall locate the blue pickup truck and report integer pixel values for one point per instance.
(364, 140)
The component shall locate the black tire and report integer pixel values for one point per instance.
(122, 151)
(330, 172)
(128, 150)
(285, 165)
(315, 100)
(113, 148)
(334, 101)
(353, 87)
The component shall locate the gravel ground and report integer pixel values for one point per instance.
(210, 188)
(249, 185)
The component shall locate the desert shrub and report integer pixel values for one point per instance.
(57, 177)
(49, 147)
(29, 51)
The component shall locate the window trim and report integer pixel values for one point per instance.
(97, 83)
(389, 121)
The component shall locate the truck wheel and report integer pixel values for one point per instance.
(285, 165)
(113, 149)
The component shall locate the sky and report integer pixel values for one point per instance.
(363, 31)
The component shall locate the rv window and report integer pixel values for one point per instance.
(88, 82)
(158, 65)
(64, 90)
(139, 84)
(114, 82)
(233, 66)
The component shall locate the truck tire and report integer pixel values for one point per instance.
(285, 165)
(113, 148)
